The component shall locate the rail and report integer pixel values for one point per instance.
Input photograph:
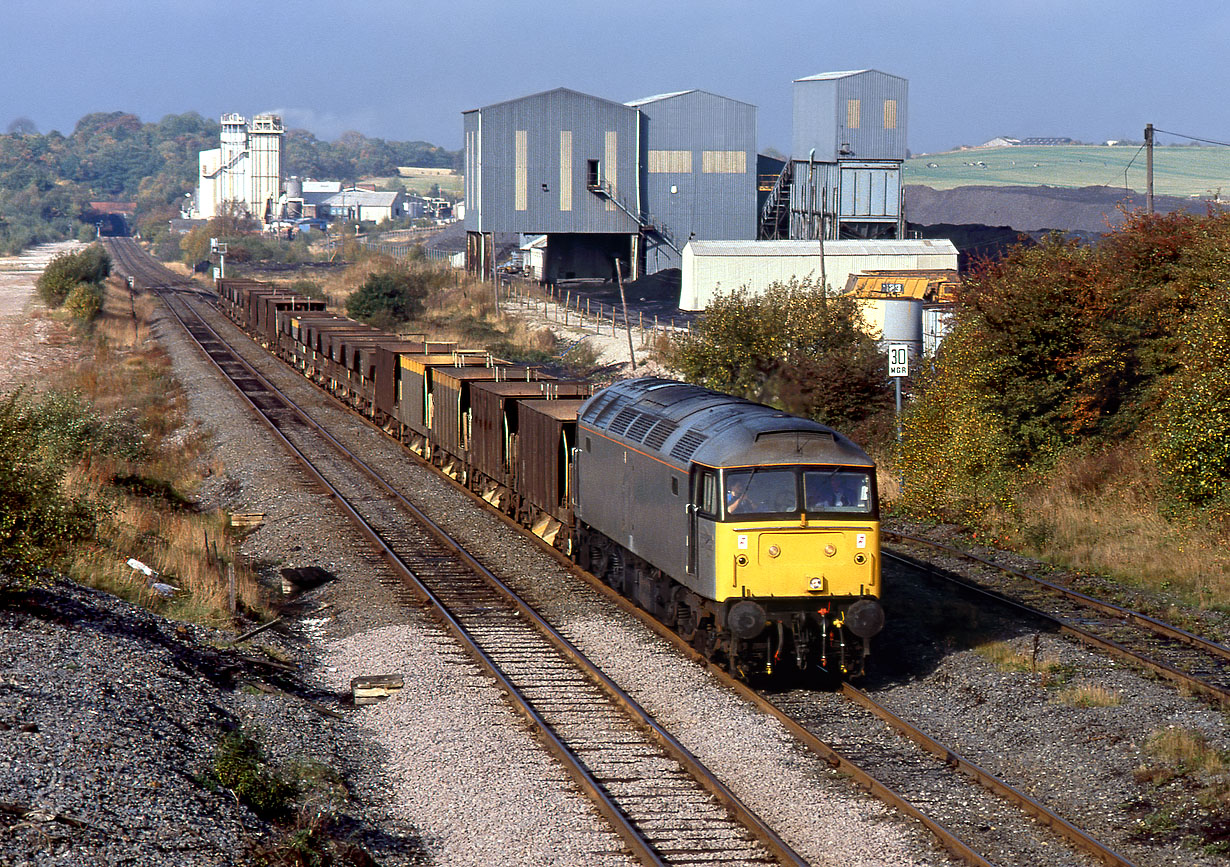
(616, 812)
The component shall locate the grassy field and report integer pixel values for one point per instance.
(1203, 172)
(451, 184)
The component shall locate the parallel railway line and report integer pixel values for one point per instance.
(794, 710)
(1190, 661)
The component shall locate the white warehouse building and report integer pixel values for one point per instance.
(711, 268)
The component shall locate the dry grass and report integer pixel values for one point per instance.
(1104, 514)
(1006, 657)
(1089, 695)
(143, 503)
(1186, 750)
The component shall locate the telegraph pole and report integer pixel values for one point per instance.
(1148, 168)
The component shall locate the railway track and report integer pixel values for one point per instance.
(937, 767)
(1190, 661)
(666, 806)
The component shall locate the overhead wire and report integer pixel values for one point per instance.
(1194, 138)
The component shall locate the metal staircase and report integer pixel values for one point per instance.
(649, 225)
(775, 215)
(223, 168)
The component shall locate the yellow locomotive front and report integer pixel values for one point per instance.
(796, 560)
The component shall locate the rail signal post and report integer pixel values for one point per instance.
(898, 368)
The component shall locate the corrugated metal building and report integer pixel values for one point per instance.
(717, 267)
(607, 181)
(844, 175)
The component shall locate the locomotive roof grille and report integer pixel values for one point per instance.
(667, 395)
(623, 421)
(660, 432)
(639, 428)
(799, 436)
(687, 445)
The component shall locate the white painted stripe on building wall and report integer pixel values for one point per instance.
(670, 162)
(609, 166)
(565, 170)
(724, 162)
(522, 182)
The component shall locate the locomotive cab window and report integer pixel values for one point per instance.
(762, 491)
(707, 496)
(838, 490)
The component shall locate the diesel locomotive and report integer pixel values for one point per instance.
(752, 532)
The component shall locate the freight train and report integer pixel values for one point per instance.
(753, 533)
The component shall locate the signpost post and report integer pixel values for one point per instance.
(898, 367)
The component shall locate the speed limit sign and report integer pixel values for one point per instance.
(898, 359)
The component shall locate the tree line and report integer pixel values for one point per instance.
(48, 180)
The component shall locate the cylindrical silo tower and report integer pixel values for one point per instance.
(233, 179)
(264, 163)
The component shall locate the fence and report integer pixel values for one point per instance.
(562, 306)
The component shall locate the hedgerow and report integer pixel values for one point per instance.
(1065, 348)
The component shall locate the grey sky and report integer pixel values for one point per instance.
(406, 70)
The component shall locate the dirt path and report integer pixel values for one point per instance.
(30, 340)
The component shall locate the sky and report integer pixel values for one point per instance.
(406, 70)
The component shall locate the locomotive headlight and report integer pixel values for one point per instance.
(830, 550)
(860, 558)
(774, 551)
(741, 559)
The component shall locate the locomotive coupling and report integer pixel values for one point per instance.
(746, 619)
(864, 618)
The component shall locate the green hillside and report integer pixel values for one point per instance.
(1177, 171)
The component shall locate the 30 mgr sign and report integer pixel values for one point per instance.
(898, 359)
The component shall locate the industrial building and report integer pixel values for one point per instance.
(843, 179)
(711, 268)
(245, 172)
(608, 182)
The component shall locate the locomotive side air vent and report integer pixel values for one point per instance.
(660, 432)
(687, 445)
(620, 426)
(592, 411)
(595, 409)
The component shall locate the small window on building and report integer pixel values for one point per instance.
(853, 109)
(890, 114)
(593, 174)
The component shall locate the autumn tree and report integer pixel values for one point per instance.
(791, 346)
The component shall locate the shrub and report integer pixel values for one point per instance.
(239, 765)
(1065, 349)
(63, 274)
(792, 347)
(37, 443)
(84, 302)
(393, 295)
